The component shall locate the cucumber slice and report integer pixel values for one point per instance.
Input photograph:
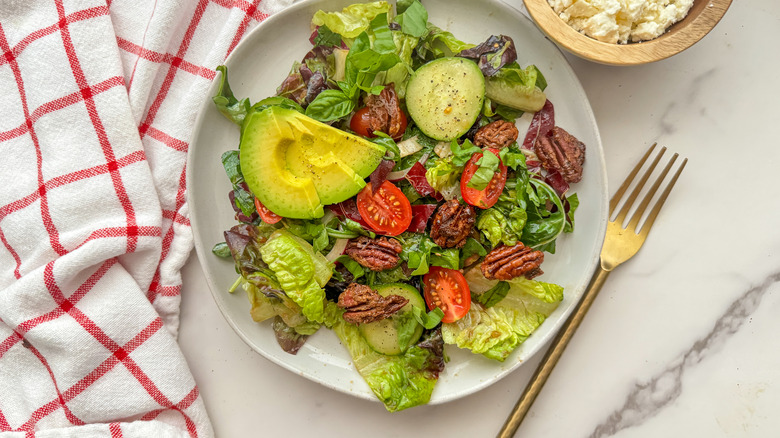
(382, 335)
(444, 97)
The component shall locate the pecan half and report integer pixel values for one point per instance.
(507, 262)
(561, 151)
(384, 112)
(452, 224)
(498, 134)
(364, 305)
(376, 254)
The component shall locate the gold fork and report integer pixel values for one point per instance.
(622, 241)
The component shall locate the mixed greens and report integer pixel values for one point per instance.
(291, 259)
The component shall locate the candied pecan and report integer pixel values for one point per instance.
(364, 305)
(376, 254)
(498, 134)
(452, 224)
(384, 112)
(561, 151)
(507, 262)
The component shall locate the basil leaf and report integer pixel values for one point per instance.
(495, 294)
(326, 37)
(330, 105)
(413, 19)
(428, 320)
(389, 144)
(221, 250)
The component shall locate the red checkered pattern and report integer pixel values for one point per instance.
(98, 103)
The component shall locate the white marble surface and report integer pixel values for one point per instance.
(682, 341)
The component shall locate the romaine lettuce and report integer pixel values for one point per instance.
(496, 331)
(400, 382)
(352, 20)
(300, 271)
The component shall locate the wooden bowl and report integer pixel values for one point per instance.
(702, 17)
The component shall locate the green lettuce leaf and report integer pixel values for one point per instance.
(300, 271)
(233, 109)
(437, 43)
(497, 331)
(352, 20)
(400, 382)
(444, 176)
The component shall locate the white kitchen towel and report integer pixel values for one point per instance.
(97, 107)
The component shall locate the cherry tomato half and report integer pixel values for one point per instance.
(489, 196)
(266, 215)
(361, 125)
(448, 290)
(387, 211)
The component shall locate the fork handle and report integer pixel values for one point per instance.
(554, 353)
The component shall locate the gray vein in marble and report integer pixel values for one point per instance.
(697, 83)
(649, 398)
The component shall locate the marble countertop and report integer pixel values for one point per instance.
(681, 340)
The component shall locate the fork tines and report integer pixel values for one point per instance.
(623, 214)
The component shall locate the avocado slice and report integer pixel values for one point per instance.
(295, 164)
(264, 141)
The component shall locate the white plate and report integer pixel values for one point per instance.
(259, 64)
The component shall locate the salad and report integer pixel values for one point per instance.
(385, 193)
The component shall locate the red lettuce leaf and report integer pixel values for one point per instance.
(420, 216)
(416, 177)
(541, 124)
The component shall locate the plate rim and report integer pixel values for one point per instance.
(502, 372)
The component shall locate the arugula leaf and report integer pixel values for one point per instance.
(573, 201)
(428, 320)
(352, 266)
(413, 19)
(471, 247)
(326, 37)
(543, 226)
(446, 258)
(492, 296)
(233, 109)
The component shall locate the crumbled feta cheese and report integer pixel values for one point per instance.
(618, 21)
